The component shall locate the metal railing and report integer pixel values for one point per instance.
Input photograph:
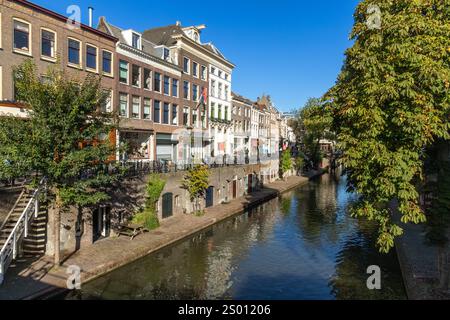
(10, 248)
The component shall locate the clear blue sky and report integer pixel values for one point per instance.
(290, 49)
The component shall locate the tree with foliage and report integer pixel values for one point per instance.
(66, 135)
(196, 182)
(14, 152)
(390, 102)
(148, 216)
(286, 162)
(312, 125)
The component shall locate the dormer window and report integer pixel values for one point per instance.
(166, 54)
(136, 41)
(196, 37)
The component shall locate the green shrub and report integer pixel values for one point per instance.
(148, 218)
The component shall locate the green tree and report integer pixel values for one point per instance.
(313, 124)
(391, 101)
(66, 135)
(196, 182)
(15, 158)
(286, 162)
(148, 216)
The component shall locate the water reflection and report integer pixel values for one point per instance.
(301, 246)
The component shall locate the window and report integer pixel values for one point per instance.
(123, 97)
(213, 110)
(136, 109)
(123, 74)
(203, 72)
(226, 95)
(186, 90)
(157, 84)
(166, 85)
(186, 62)
(195, 69)
(166, 113)
(220, 91)
(195, 92)
(213, 88)
(74, 52)
(213, 70)
(220, 74)
(203, 119)
(186, 116)
(136, 76)
(107, 62)
(194, 119)
(136, 39)
(107, 107)
(220, 112)
(48, 43)
(226, 113)
(22, 36)
(147, 79)
(175, 88)
(91, 57)
(174, 114)
(226, 76)
(147, 107)
(156, 111)
(166, 54)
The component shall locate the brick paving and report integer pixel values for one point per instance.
(28, 281)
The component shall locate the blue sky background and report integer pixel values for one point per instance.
(290, 49)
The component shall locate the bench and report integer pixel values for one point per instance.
(131, 230)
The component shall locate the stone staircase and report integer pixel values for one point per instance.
(13, 218)
(35, 244)
(23, 232)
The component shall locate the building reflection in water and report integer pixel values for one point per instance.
(303, 245)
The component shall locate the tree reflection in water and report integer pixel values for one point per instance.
(303, 245)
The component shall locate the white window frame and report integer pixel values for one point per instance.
(205, 75)
(111, 102)
(140, 76)
(28, 52)
(178, 88)
(112, 64)
(164, 77)
(194, 70)
(189, 91)
(46, 58)
(189, 65)
(128, 72)
(128, 104)
(150, 118)
(151, 79)
(71, 64)
(161, 82)
(96, 57)
(139, 108)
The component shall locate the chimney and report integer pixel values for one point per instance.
(91, 16)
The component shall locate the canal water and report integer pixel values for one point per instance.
(303, 245)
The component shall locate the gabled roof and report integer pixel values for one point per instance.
(147, 46)
(164, 36)
(242, 99)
